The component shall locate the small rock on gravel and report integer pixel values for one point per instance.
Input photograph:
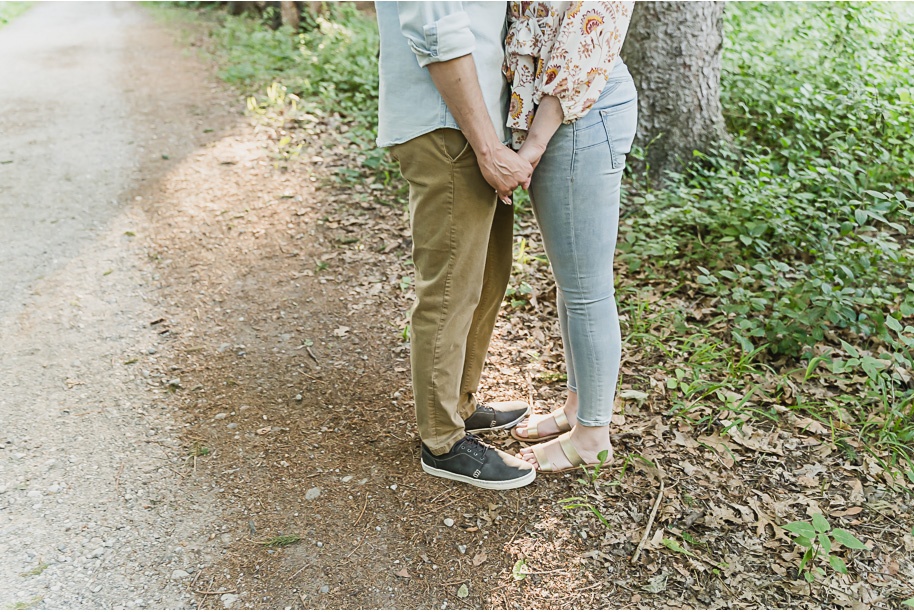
(179, 575)
(448, 522)
(221, 416)
(311, 494)
(229, 599)
(325, 589)
(462, 548)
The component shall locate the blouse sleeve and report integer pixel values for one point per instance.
(587, 43)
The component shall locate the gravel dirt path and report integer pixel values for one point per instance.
(94, 512)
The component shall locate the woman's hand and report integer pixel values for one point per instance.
(546, 121)
(532, 151)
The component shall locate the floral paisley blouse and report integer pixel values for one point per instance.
(561, 49)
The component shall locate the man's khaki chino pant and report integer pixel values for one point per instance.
(462, 251)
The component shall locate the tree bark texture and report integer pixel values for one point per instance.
(291, 14)
(673, 50)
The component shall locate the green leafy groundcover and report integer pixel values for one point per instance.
(332, 64)
(801, 227)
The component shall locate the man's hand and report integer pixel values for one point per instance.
(505, 170)
(502, 168)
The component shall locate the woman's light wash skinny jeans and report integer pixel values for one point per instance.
(575, 193)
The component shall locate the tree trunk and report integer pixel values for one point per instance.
(291, 14)
(673, 50)
(237, 8)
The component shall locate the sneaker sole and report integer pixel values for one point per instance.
(498, 485)
(505, 426)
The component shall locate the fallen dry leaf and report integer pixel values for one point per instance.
(688, 468)
(807, 424)
(763, 519)
(756, 440)
(341, 331)
(480, 558)
(849, 512)
(682, 439)
(718, 514)
(908, 540)
(727, 456)
(857, 496)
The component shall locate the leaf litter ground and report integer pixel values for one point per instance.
(284, 293)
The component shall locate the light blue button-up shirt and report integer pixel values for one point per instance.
(416, 34)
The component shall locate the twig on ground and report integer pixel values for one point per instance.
(650, 523)
(299, 571)
(516, 531)
(447, 504)
(214, 592)
(117, 480)
(361, 513)
(308, 348)
(205, 595)
(364, 535)
(552, 571)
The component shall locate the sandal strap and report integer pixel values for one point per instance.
(561, 421)
(570, 451)
(542, 459)
(532, 434)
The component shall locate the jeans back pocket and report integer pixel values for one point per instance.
(620, 123)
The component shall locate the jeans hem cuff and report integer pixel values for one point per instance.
(593, 423)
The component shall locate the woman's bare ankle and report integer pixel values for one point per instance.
(571, 408)
(591, 441)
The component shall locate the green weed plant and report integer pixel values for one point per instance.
(816, 540)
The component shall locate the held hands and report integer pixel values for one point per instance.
(505, 170)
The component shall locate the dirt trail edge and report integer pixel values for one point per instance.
(96, 506)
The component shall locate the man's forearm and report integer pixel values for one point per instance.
(458, 84)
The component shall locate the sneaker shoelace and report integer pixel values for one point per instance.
(475, 446)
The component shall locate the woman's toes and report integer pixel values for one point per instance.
(528, 456)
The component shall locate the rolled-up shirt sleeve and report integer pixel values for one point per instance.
(436, 31)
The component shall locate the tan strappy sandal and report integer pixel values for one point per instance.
(545, 466)
(561, 422)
